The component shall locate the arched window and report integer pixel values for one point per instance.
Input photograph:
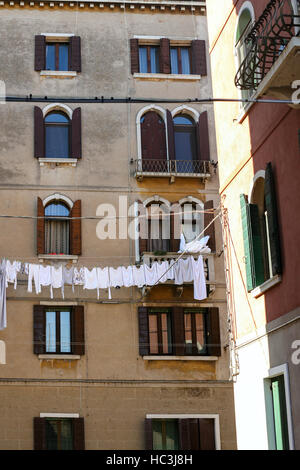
(153, 141)
(158, 216)
(57, 135)
(185, 142)
(57, 228)
(192, 220)
(245, 22)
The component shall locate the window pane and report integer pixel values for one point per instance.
(184, 146)
(57, 236)
(174, 60)
(57, 209)
(143, 59)
(185, 60)
(66, 438)
(157, 435)
(57, 141)
(153, 334)
(50, 56)
(200, 337)
(57, 118)
(188, 333)
(172, 435)
(183, 120)
(50, 332)
(51, 434)
(65, 332)
(154, 59)
(63, 62)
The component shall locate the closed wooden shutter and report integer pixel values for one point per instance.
(171, 136)
(134, 56)
(178, 340)
(143, 331)
(202, 134)
(78, 434)
(247, 237)
(199, 66)
(153, 136)
(207, 434)
(75, 229)
(76, 150)
(40, 227)
(75, 54)
(184, 434)
(273, 224)
(257, 246)
(164, 56)
(39, 433)
(78, 345)
(148, 434)
(213, 332)
(39, 133)
(208, 217)
(39, 329)
(175, 225)
(40, 53)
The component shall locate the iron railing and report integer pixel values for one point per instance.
(262, 46)
(159, 167)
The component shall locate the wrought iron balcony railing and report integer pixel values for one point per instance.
(187, 168)
(266, 40)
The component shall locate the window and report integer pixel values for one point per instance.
(180, 60)
(182, 433)
(261, 232)
(153, 137)
(242, 47)
(58, 433)
(57, 135)
(185, 143)
(179, 331)
(58, 330)
(149, 59)
(192, 220)
(57, 132)
(280, 413)
(57, 56)
(58, 226)
(58, 53)
(158, 230)
(166, 56)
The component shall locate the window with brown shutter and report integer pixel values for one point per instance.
(59, 433)
(40, 227)
(164, 59)
(199, 66)
(40, 53)
(54, 54)
(213, 332)
(202, 132)
(134, 55)
(58, 330)
(153, 137)
(75, 54)
(76, 145)
(75, 229)
(39, 133)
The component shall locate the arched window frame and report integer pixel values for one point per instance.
(162, 113)
(68, 203)
(193, 200)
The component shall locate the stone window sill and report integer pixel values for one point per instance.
(58, 161)
(58, 74)
(67, 357)
(166, 76)
(180, 358)
(46, 257)
(259, 290)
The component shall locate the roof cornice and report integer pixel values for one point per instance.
(170, 6)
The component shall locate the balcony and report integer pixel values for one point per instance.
(271, 51)
(208, 260)
(172, 168)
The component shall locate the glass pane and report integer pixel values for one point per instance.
(185, 60)
(153, 334)
(50, 56)
(63, 60)
(50, 332)
(200, 332)
(154, 59)
(143, 59)
(172, 435)
(66, 438)
(51, 434)
(57, 209)
(184, 147)
(57, 236)
(57, 118)
(186, 120)
(65, 332)
(174, 60)
(57, 141)
(157, 435)
(188, 333)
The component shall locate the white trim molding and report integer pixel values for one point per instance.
(59, 415)
(58, 161)
(197, 416)
(191, 199)
(58, 197)
(156, 198)
(59, 357)
(259, 174)
(180, 358)
(259, 290)
(166, 76)
(58, 73)
(57, 107)
(186, 109)
(2, 352)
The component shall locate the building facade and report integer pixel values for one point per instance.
(137, 367)
(258, 150)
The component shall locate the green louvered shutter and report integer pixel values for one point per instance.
(258, 263)
(245, 213)
(272, 217)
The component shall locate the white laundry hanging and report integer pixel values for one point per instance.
(3, 314)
